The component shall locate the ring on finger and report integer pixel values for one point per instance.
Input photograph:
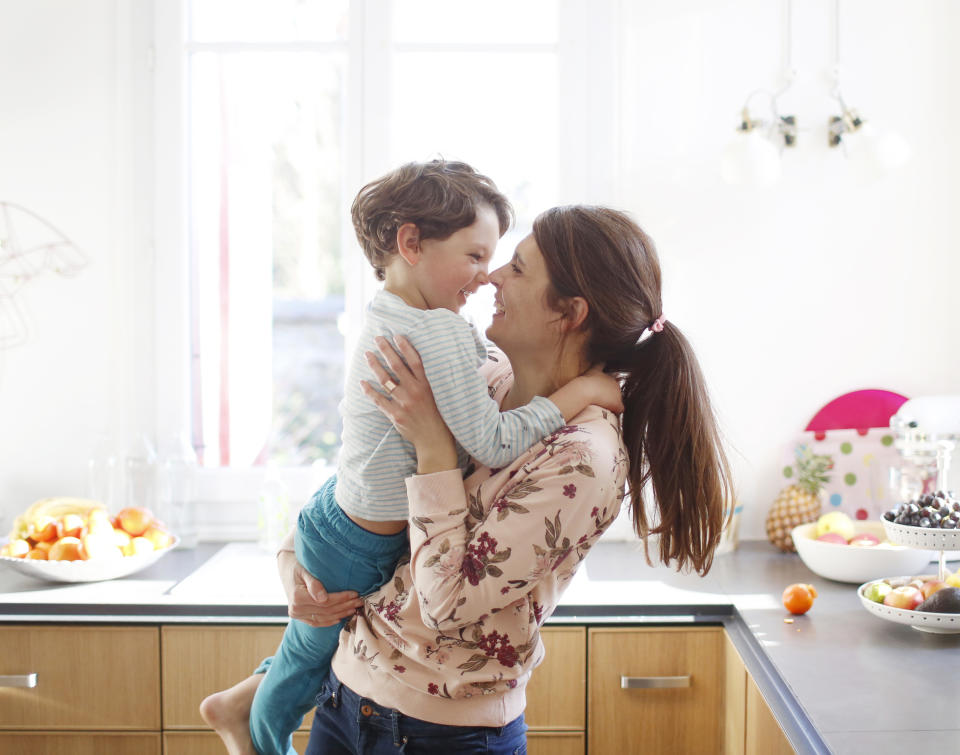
(390, 386)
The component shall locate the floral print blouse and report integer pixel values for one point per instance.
(453, 637)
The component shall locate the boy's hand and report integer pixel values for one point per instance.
(604, 388)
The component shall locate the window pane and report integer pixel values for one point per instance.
(266, 211)
(275, 21)
(493, 21)
(497, 112)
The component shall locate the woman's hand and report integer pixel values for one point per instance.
(407, 401)
(307, 599)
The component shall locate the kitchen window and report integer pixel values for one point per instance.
(269, 118)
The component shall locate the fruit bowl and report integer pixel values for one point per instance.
(924, 621)
(930, 538)
(856, 564)
(92, 570)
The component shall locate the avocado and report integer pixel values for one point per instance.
(944, 600)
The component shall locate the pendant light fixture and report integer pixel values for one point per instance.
(752, 157)
(872, 151)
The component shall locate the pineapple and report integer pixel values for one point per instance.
(798, 503)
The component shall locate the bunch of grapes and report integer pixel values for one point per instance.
(938, 510)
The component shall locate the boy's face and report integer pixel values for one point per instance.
(451, 269)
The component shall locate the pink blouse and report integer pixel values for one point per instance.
(453, 637)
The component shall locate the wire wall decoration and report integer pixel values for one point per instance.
(29, 247)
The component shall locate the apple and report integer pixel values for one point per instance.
(832, 537)
(877, 591)
(929, 587)
(908, 597)
(864, 539)
(836, 521)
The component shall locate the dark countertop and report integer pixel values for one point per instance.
(838, 679)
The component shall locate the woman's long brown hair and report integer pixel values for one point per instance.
(669, 428)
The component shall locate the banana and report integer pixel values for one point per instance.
(54, 508)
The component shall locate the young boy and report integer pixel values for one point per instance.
(429, 230)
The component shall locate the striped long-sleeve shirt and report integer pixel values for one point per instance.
(375, 459)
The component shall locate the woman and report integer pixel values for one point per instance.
(439, 658)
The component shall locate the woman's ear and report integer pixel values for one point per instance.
(408, 243)
(576, 313)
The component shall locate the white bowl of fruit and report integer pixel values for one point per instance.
(76, 540)
(924, 602)
(839, 548)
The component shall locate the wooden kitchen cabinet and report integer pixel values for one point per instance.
(763, 734)
(88, 678)
(79, 743)
(557, 694)
(656, 719)
(113, 690)
(751, 728)
(208, 743)
(200, 660)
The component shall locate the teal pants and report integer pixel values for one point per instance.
(343, 556)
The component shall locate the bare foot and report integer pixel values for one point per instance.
(228, 714)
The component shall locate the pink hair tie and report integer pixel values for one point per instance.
(655, 327)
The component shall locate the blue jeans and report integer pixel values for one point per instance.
(347, 724)
(343, 556)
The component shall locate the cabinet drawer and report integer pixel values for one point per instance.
(88, 677)
(208, 743)
(200, 660)
(656, 719)
(557, 692)
(556, 743)
(79, 743)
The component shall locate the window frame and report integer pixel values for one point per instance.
(587, 58)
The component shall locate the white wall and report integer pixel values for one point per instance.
(824, 284)
(71, 150)
(791, 296)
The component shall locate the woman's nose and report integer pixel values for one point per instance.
(496, 277)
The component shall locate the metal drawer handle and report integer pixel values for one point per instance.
(653, 682)
(19, 680)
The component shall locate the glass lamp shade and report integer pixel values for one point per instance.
(750, 159)
(875, 152)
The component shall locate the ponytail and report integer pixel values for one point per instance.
(669, 429)
(675, 452)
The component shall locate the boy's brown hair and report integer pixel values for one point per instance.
(440, 197)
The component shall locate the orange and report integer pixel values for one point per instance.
(46, 529)
(67, 549)
(135, 519)
(37, 555)
(18, 548)
(158, 536)
(138, 546)
(73, 525)
(100, 546)
(98, 522)
(121, 538)
(798, 598)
